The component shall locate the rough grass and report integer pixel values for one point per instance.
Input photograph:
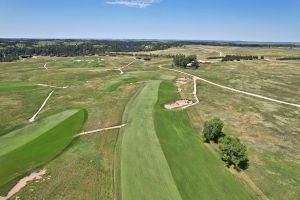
(198, 173)
(145, 173)
(37, 145)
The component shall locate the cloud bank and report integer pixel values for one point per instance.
(133, 3)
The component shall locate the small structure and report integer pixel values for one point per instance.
(189, 65)
(203, 61)
(26, 56)
(144, 59)
(147, 59)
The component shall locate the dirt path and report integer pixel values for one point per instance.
(45, 66)
(121, 69)
(100, 130)
(23, 182)
(121, 72)
(249, 181)
(235, 90)
(194, 93)
(32, 119)
(51, 86)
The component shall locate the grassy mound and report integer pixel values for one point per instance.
(24, 150)
(198, 173)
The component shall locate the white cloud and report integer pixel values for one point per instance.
(133, 3)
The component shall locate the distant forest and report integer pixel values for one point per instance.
(13, 49)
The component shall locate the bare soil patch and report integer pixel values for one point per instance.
(23, 182)
(178, 104)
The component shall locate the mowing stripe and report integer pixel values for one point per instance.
(197, 172)
(145, 173)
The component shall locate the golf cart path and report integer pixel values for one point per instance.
(51, 86)
(194, 93)
(234, 90)
(121, 68)
(32, 119)
(100, 130)
(45, 66)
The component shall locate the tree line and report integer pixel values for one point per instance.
(233, 152)
(289, 58)
(240, 57)
(11, 50)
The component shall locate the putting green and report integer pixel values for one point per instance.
(30, 147)
(145, 173)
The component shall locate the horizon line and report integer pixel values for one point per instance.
(145, 39)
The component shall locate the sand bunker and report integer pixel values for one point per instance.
(178, 104)
(23, 182)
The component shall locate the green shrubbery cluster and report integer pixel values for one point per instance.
(233, 152)
(182, 61)
(289, 58)
(239, 57)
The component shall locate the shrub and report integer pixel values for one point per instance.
(233, 152)
(182, 60)
(212, 130)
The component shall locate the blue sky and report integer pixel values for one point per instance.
(248, 20)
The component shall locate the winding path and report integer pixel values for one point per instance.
(194, 93)
(32, 119)
(45, 66)
(234, 90)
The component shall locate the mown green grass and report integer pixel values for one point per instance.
(20, 137)
(145, 173)
(15, 86)
(198, 173)
(115, 84)
(41, 145)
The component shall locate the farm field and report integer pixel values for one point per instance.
(159, 154)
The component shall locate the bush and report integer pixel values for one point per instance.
(238, 58)
(233, 152)
(182, 61)
(212, 130)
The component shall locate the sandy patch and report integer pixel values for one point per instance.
(178, 104)
(180, 82)
(23, 182)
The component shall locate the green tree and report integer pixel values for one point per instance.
(233, 152)
(212, 130)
